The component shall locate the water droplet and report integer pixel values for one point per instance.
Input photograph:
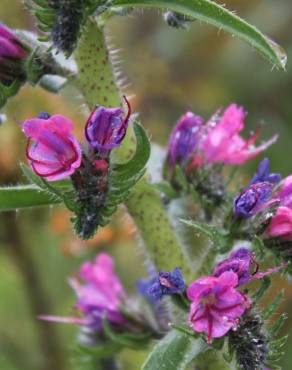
(280, 52)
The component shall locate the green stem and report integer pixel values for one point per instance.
(97, 83)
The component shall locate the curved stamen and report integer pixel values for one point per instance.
(126, 119)
(87, 124)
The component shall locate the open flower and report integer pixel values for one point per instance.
(222, 142)
(251, 199)
(55, 152)
(100, 295)
(106, 128)
(12, 52)
(184, 139)
(216, 304)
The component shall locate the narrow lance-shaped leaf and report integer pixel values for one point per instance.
(174, 352)
(25, 196)
(215, 14)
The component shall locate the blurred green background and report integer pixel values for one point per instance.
(170, 71)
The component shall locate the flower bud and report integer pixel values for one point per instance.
(183, 140)
(263, 173)
(12, 53)
(106, 128)
(249, 202)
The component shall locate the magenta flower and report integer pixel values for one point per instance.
(12, 52)
(216, 304)
(55, 152)
(106, 128)
(222, 142)
(184, 139)
(281, 223)
(100, 295)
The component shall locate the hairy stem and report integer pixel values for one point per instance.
(97, 82)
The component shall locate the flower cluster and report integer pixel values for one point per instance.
(194, 144)
(267, 194)
(217, 303)
(56, 153)
(100, 296)
(254, 197)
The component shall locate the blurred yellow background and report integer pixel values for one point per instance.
(170, 71)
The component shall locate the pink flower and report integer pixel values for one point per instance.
(216, 304)
(55, 153)
(281, 224)
(222, 142)
(102, 292)
(100, 295)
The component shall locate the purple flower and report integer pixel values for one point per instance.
(101, 294)
(106, 128)
(263, 173)
(216, 304)
(165, 283)
(55, 152)
(250, 200)
(241, 262)
(12, 53)
(183, 140)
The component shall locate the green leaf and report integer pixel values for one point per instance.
(265, 284)
(129, 340)
(24, 196)
(276, 327)
(165, 188)
(211, 231)
(271, 308)
(138, 162)
(210, 12)
(8, 91)
(103, 350)
(174, 352)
